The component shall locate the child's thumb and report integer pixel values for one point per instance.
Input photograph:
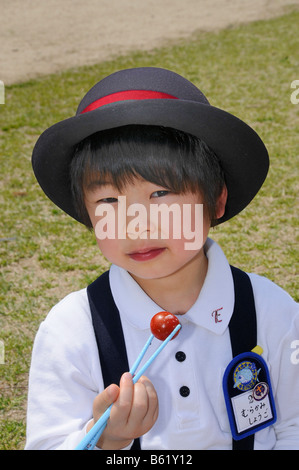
(112, 393)
(105, 399)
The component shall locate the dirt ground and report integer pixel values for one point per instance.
(39, 37)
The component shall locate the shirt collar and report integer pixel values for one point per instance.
(215, 304)
(212, 310)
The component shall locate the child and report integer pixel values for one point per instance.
(147, 139)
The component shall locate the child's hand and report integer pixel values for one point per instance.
(134, 412)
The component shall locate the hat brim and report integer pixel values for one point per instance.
(242, 154)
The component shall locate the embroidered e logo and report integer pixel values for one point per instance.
(215, 314)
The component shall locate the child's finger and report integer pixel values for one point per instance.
(105, 399)
(145, 404)
(153, 405)
(124, 402)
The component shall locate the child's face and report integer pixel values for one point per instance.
(147, 230)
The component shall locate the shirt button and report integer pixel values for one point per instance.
(180, 356)
(184, 391)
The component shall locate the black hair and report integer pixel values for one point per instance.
(170, 158)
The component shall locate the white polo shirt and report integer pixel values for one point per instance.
(65, 373)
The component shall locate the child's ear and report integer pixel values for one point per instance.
(221, 202)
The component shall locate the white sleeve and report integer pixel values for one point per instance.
(287, 390)
(64, 377)
(278, 334)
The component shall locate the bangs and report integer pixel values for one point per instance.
(119, 156)
(172, 159)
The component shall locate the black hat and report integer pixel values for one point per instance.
(152, 96)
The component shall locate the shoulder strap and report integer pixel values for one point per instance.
(108, 332)
(111, 344)
(243, 330)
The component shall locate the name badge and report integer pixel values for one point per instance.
(248, 395)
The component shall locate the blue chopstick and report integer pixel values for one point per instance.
(140, 357)
(91, 442)
(91, 438)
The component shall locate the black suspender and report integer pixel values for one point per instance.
(111, 344)
(109, 333)
(243, 330)
(108, 330)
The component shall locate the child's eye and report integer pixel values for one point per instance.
(107, 200)
(160, 193)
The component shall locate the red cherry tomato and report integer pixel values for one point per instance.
(162, 324)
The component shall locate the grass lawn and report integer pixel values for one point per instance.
(246, 70)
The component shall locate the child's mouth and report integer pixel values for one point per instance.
(146, 254)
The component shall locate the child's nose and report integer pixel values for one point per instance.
(139, 223)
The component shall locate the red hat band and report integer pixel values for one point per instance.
(127, 95)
